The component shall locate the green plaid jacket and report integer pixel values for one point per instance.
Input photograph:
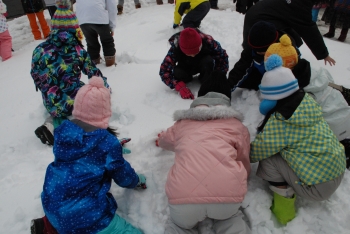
(305, 141)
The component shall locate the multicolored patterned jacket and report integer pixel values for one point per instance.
(57, 65)
(175, 55)
(304, 140)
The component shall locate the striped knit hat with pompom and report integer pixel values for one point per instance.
(65, 19)
(278, 82)
(92, 103)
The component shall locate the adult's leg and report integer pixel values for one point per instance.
(275, 169)
(44, 26)
(228, 218)
(52, 10)
(194, 18)
(35, 28)
(181, 74)
(5, 45)
(91, 37)
(106, 38)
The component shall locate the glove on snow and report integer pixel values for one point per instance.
(183, 90)
(142, 182)
(122, 142)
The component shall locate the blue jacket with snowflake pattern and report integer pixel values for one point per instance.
(75, 194)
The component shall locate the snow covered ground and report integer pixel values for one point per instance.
(142, 107)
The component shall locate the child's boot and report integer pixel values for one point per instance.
(330, 33)
(37, 226)
(138, 5)
(120, 9)
(282, 205)
(97, 61)
(110, 60)
(346, 94)
(171, 1)
(159, 2)
(45, 133)
(346, 144)
(343, 34)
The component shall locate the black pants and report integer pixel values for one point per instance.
(91, 33)
(204, 67)
(52, 10)
(194, 18)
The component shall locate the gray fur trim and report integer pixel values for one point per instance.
(212, 99)
(208, 113)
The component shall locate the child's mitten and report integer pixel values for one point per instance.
(142, 182)
(183, 90)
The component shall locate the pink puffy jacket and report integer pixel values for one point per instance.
(211, 156)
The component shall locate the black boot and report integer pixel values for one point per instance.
(330, 33)
(37, 226)
(343, 34)
(346, 94)
(346, 144)
(44, 134)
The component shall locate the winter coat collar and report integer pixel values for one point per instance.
(215, 106)
(208, 113)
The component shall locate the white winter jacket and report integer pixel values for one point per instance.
(336, 110)
(97, 12)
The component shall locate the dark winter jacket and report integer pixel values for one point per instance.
(242, 6)
(57, 65)
(175, 57)
(284, 14)
(75, 194)
(249, 70)
(33, 6)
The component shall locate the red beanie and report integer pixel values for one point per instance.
(190, 41)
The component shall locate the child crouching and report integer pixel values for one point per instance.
(209, 175)
(76, 197)
(298, 153)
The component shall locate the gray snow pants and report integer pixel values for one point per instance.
(276, 169)
(228, 219)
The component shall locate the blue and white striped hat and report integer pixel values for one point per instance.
(278, 82)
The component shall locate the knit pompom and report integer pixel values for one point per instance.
(273, 61)
(96, 81)
(285, 40)
(66, 4)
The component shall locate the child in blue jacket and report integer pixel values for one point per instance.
(88, 155)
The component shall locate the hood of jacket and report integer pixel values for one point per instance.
(61, 38)
(209, 107)
(73, 140)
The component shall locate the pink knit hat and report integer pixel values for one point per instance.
(92, 103)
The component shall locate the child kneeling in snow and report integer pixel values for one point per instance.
(209, 175)
(297, 151)
(88, 156)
